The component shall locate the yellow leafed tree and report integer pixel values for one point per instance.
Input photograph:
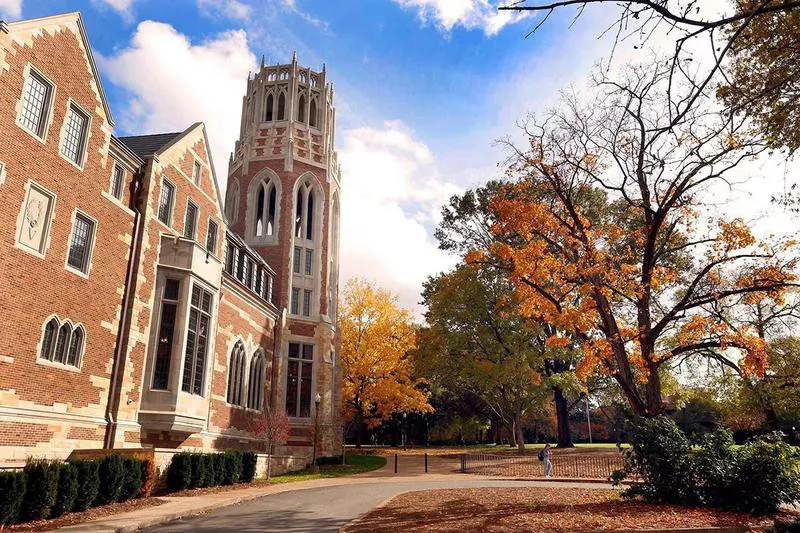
(378, 373)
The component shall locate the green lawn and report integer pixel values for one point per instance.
(356, 464)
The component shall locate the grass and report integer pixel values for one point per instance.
(356, 464)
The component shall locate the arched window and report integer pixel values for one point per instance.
(60, 354)
(255, 386)
(312, 114)
(298, 216)
(301, 109)
(75, 347)
(260, 212)
(49, 339)
(282, 106)
(232, 204)
(273, 200)
(265, 214)
(268, 113)
(310, 216)
(236, 375)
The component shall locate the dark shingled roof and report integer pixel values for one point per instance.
(147, 145)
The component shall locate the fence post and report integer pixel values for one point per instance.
(426, 462)
(463, 463)
(395, 463)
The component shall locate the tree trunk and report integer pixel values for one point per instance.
(564, 435)
(520, 435)
(359, 432)
(655, 403)
(512, 437)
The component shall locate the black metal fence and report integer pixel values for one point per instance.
(567, 466)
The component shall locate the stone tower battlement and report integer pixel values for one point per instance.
(288, 114)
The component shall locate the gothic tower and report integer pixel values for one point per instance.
(283, 200)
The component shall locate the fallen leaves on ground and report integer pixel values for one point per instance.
(541, 510)
(95, 513)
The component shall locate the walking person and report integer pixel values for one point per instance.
(545, 457)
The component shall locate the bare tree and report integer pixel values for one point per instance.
(272, 427)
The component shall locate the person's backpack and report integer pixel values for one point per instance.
(541, 455)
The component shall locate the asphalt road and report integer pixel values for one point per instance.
(320, 509)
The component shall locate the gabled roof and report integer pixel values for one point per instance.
(148, 145)
(65, 18)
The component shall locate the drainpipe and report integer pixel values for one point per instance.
(123, 334)
(276, 331)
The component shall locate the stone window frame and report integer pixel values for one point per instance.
(177, 333)
(116, 165)
(84, 141)
(232, 202)
(171, 215)
(195, 222)
(236, 388)
(47, 230)
(28, 71)
(294, 339)
(92, 240)
(264, 178)
(197, 171)
(74, 326)
(2, 172)
(310, 185)
(256, 395)
(212, 247)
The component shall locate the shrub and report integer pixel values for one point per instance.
(219, 468)
(88, 483)
(233, 467)
(12, 492)
(41, 488)
(210, 478)
(329, 460)
(112, 477)
(715, 466)
(132, 479)
(199, 474)
(67, 489)
(179, 473)
(767, 475)
(249, 462)
(784, 527)
(660, 455)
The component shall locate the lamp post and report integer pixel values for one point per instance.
(405, 429)
(317, 401)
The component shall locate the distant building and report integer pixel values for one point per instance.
(137, 310)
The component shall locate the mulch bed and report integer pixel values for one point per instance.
(540, 509)
(70, 519)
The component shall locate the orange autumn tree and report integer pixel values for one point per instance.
(378, 374)
(607, 234)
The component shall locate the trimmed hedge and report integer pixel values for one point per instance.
(219, 468)
(41, 488)
(112, 477)
(233, 467)
(88, 483)
(249, 462)
(132, 479)
(179, 473)
(12, 491)
(67, 489)
(193, 470)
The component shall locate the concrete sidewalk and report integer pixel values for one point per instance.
(186, 506)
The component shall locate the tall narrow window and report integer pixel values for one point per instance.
(62, 343)
(255, 384)
(281, 106)
(236, 375)
(298, 380)
(232, 202)
(298, 215)
(35, 104)
(165, 202)
(117, 180)
(49, 339)
(197, 172)
(73, 145)
(194, 364)
(268, 289)
(269, 111)
(312, 114)
(166, 334)
(273, 193)
(190, 223)
(211, 237)
(260, 211)
(301, 109)
(296, 260)
(310, 216)
(80, 243)
(306, 302)
(309, 262)
(230, 259)
(295, 303)
(75, 347)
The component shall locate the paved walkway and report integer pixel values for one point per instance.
(318, 505)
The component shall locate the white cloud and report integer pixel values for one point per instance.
(469, 14)
(392, 195)
(232, 9)
(173, 83)
(123, 7)
(11, 9)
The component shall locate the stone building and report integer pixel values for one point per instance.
(139, 311)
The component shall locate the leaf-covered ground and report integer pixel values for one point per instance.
(538, 509)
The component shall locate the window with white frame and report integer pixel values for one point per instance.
(197, 172)
(197, 338)
(190, 222)
(36, 97)
(80, 243)
(165, 202)
(62, 343)
(298, 379)
(117, 181)
(73, 146)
